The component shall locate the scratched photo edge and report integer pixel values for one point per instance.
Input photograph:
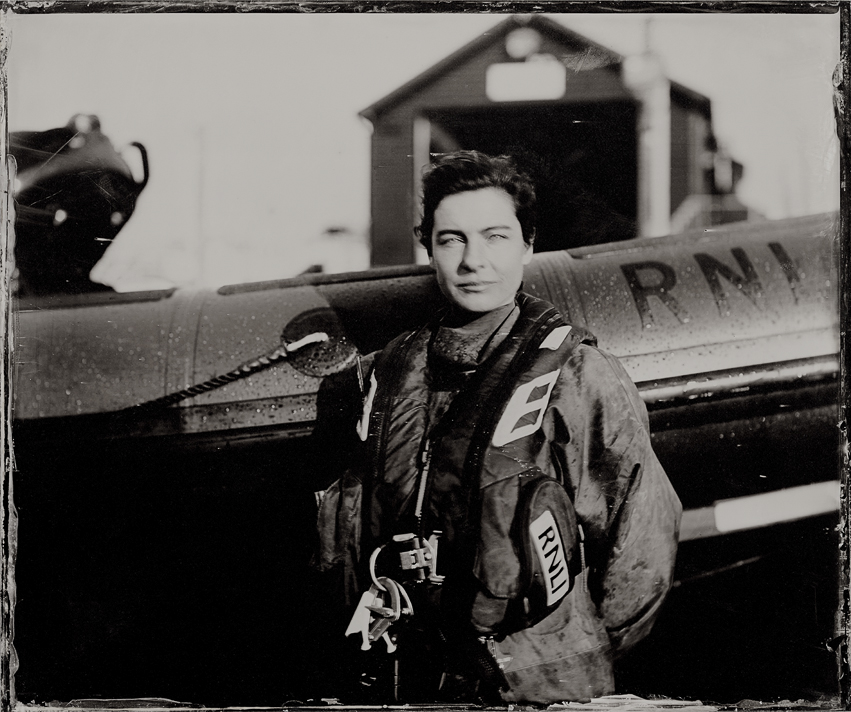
(843, 114)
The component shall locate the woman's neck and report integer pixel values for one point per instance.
(464, 339)
(457, 317)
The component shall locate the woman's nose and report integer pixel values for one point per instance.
(473, 256)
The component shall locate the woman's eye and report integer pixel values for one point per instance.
(450, 239)
(497, 236)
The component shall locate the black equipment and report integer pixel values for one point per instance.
(73, 194)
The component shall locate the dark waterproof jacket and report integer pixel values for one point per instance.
(584, 426)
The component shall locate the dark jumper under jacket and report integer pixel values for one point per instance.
(592, 437)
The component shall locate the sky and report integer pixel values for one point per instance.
(256, 147)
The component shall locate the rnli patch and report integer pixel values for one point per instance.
(550, 550)
(514, 423)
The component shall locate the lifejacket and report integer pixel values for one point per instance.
(508, 544)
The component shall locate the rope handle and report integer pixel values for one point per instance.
(242, 371)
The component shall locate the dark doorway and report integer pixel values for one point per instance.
(582, 157)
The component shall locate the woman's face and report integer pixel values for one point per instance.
(477, 249)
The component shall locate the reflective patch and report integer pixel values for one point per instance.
(550, 550)
(509, 429)
(363, 425)
(556, 338)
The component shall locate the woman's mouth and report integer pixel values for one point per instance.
(474, 286)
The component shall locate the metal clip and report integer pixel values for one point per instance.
(431, 544)
(413, 556)
(386, 616)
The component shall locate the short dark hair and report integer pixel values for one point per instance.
(463, 171)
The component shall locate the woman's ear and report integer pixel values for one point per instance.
(530, 251)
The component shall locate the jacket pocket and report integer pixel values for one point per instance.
(533, 562)
(566, 656)
(549, 549)
(338, 525)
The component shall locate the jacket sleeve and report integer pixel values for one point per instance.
(628, 509)
(334, 452)
(334, 441)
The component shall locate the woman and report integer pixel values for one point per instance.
(508, 494)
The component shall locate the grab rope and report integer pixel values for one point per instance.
(242, 371)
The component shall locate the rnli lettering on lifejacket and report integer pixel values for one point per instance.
(550, 550)
(529, 398)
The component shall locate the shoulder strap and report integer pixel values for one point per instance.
(390, 364)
